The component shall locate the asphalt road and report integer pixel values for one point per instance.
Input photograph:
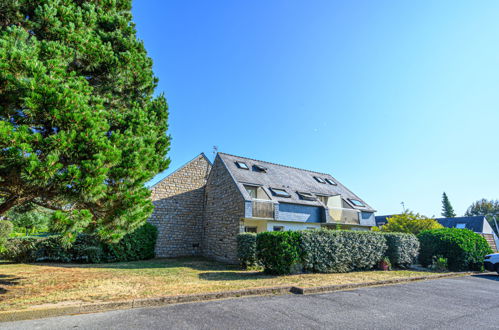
(470, 302)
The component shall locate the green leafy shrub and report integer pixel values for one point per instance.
(402, 249)
(138, 245)
(463, 249)
(279, 252)
(328, 251)
(439, 264)
(21, 249)
(5, 230)
(246, 249)
(51, 249)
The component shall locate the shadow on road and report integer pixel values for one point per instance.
(491, 276)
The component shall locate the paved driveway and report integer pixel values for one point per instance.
(470, 302)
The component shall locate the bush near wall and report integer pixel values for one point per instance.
(337, 251)
(279, 252)
(138, 245)
(463, 248)
(246, 249)
(403, 249)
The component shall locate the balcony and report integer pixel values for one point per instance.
(345, 216)
(262, 209)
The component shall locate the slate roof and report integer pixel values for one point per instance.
(291, 179)
(382, 219)
(475, 223)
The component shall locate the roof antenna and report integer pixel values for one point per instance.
(403, 206)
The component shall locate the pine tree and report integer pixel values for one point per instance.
(80, 128)
(447, 209)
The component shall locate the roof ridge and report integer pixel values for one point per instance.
(263, 161)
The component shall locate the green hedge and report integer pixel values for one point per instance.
(403, 249)
(279, 252)
(246, 249)
(335, 251)
(463, 248)
(138, 245)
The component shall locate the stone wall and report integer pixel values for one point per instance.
(224, 209)
(178, 209)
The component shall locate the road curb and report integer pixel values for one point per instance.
(344, 287)
(37, 313)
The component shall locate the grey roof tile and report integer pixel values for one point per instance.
(291, 179)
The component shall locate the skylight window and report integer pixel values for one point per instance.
(306, 196)
(320, 180)
(242, 165)
(461, 226)
(260, 168)
(280, 192)
(331, 182)
(356, 202)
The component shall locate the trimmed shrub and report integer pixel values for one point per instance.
(246, 249)
(279, 252)
(463, 249)
(338, 251)
(138, 245)
(402, 249)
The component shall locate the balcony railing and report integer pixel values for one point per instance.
(263, 209)
(343, 216)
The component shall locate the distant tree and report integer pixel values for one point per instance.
(487, 208)
(29, 219)
(81, 129)
(409, 222)
(447, 209)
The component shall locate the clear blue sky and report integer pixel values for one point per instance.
(399, 100)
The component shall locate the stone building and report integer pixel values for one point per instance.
(201, 207)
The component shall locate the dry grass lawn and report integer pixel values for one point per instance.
(35, 285)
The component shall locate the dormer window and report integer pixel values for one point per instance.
(252, 191)
(323, 199)
(260, 168)
(331, 182)
(306, 196)
(256, 192)
(320, 180)
(280, 192)
(356, 202)
(242, 165)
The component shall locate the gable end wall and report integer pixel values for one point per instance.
(224, 209)
(178, 209)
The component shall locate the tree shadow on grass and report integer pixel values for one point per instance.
(234, 276)
(491, 276)
(6, 281)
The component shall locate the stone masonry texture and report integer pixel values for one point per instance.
(178, 209)
(224, 208)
